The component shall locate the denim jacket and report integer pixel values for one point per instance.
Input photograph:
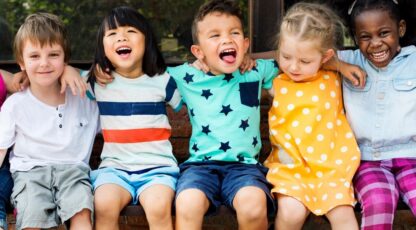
(383, 113)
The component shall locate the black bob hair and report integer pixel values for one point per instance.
(153, 62)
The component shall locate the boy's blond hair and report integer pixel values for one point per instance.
(43, 29)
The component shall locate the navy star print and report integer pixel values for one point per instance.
(206, 93)
(195, 147)
(255, 142)
(192, 112)
(244, 124)
(225, 146)
(206, 158)
(228, 77)
(240, 157)
(255, 69)
(188, 78)
(205, 129)
(226, 109)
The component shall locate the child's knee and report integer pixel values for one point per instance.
(250, 202)
(191, 201)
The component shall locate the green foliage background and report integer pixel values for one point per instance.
(169, 18)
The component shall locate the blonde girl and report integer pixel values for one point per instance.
(314, 154)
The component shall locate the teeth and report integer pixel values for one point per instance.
(227, 51)
(380, 55)
(123, 49)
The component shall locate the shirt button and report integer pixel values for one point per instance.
(380, 96)
(60, 126)
(409, 83)
(376, 154)
(60, 115)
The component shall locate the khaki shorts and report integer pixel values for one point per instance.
(47, 196)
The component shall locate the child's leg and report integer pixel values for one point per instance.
(191, 206)
(109, 200)
(81, 220)
(378, 194)
(250, 203)
(291, 213)
(73, 195)
(342, 218)
(157, 204)
(6, 184)
(197, 192)
(246, 189)
(156, 196)
(406, 178)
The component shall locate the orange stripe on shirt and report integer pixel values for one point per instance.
(136, 135)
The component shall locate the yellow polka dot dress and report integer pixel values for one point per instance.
(314, 153)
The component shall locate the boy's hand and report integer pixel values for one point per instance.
(247, 64)
(20, 81)
(354, 73)
(199, 64)
(71, 77)
(102, 77)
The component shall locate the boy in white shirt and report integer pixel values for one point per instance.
(52, 133)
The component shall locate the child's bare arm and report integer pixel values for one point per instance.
(71, 77)
(3, 153)
(8, 80)
(102, 77)
(353, 73)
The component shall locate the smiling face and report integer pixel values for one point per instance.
(43, 65)
(124, 47)
(221, 42)
(301, 59)
(377, 36)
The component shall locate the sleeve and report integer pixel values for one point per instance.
(268, 69)
(173, 97)
(347, 55)
(7, 126)
(90, 85)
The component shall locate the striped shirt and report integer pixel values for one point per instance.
(134, 122)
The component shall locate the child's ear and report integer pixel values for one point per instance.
(402, 28)
(328, 55)
(197, 51)
(246, 44)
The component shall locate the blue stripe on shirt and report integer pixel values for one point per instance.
(170, 89)
(129, 108)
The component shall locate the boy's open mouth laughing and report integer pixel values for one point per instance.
(228, 55)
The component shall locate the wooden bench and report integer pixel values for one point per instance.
(133, 217)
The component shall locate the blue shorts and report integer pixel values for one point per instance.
(136, 182)
(220, 181)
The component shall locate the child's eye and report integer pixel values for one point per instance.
(384, 33)
(214, 35)
(236, 33)
(110, 34)
(33, 56)
(131, 31)
(304, 62)
(54, 55)
(364, 37)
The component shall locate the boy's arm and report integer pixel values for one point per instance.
(353, 73)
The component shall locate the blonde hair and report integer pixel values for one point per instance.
(309, 21)
(41, 28)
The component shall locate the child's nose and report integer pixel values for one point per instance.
(121, 38)
(375, 41)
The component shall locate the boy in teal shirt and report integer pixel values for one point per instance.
(224, 110)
